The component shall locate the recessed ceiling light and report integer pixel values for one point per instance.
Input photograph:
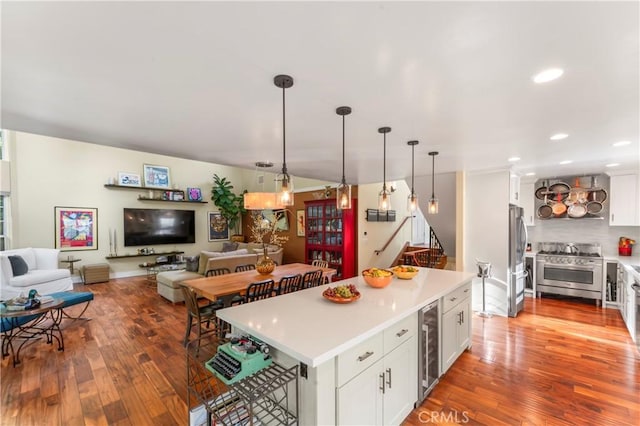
(548, 75)
(559, 136)
(622, 143)
(530, 174)
(566, 162)
(513, 159)
(612, 165)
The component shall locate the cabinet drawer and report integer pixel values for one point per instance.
(455, 297)
(358, 358)
(399, 332)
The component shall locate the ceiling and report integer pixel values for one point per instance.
(195, 80)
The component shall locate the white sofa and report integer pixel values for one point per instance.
(44, 274)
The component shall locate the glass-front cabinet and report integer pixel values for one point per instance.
(330, 236)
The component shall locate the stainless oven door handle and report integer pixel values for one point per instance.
(568, 266)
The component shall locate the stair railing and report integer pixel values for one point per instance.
(377, 252)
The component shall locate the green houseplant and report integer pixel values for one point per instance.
(231, 206)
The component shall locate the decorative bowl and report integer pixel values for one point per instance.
(332, 295)
(405, 272)
(377, 278)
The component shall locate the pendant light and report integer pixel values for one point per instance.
(343, 191)
(384, 197)
(412, 201)
(285, 194)
(432, 207)
(261, 200)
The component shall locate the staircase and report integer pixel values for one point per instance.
(431, 256)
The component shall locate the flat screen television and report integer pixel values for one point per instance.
(158, 226)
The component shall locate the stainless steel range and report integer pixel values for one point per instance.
(570, 269)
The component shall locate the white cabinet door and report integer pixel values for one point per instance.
(449, 349)
(359, 401)
(623, 207)
(456, 333)
(401, 382)
(527, 202)
(514, 189)
(464, 329)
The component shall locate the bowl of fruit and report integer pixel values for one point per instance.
(377, 278)
(342, 294)
(405, 272)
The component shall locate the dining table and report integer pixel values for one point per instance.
(219, 286)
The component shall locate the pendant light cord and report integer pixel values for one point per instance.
(412, 163)
(384, 162)
(343, 179)
(433, 171)
(284, 135)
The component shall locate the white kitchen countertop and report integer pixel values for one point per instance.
(313, 330)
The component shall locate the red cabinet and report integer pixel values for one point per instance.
(330, 235)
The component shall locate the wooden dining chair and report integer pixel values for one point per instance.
(247, 267)
(217, 271)
(312, 279)
(289, 284)
(201, 314)
(320, 263)
(259, 290)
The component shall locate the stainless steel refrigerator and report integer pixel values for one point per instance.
(516, 272)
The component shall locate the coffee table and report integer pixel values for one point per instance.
(45, 323)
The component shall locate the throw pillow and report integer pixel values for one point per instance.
(192, 263)
(18, 265)
(229, 247)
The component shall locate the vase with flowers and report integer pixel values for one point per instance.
(265, 231)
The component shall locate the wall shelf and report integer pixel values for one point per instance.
(170, 201)
(165, 190)
(124, 256)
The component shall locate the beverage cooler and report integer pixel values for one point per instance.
(428, 365)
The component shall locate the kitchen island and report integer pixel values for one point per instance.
(338, 344)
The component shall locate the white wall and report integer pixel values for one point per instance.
(49, 172)
(443, 223)
(373, 235)
(486, 237)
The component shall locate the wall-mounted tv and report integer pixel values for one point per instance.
(158, 226)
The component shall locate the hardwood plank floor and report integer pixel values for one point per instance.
(558, 363)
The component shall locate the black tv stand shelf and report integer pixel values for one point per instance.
(123, 256)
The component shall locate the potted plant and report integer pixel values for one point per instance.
(231, 206)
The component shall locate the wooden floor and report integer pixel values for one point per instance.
(558, 363)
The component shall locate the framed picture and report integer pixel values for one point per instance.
(177, 195)
(156, 176)
(129, 179)
(218, 227)
(76, 228)
(194, 194)
(280, 215)
(300, 223)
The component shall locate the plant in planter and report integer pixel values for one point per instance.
(231, 206)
